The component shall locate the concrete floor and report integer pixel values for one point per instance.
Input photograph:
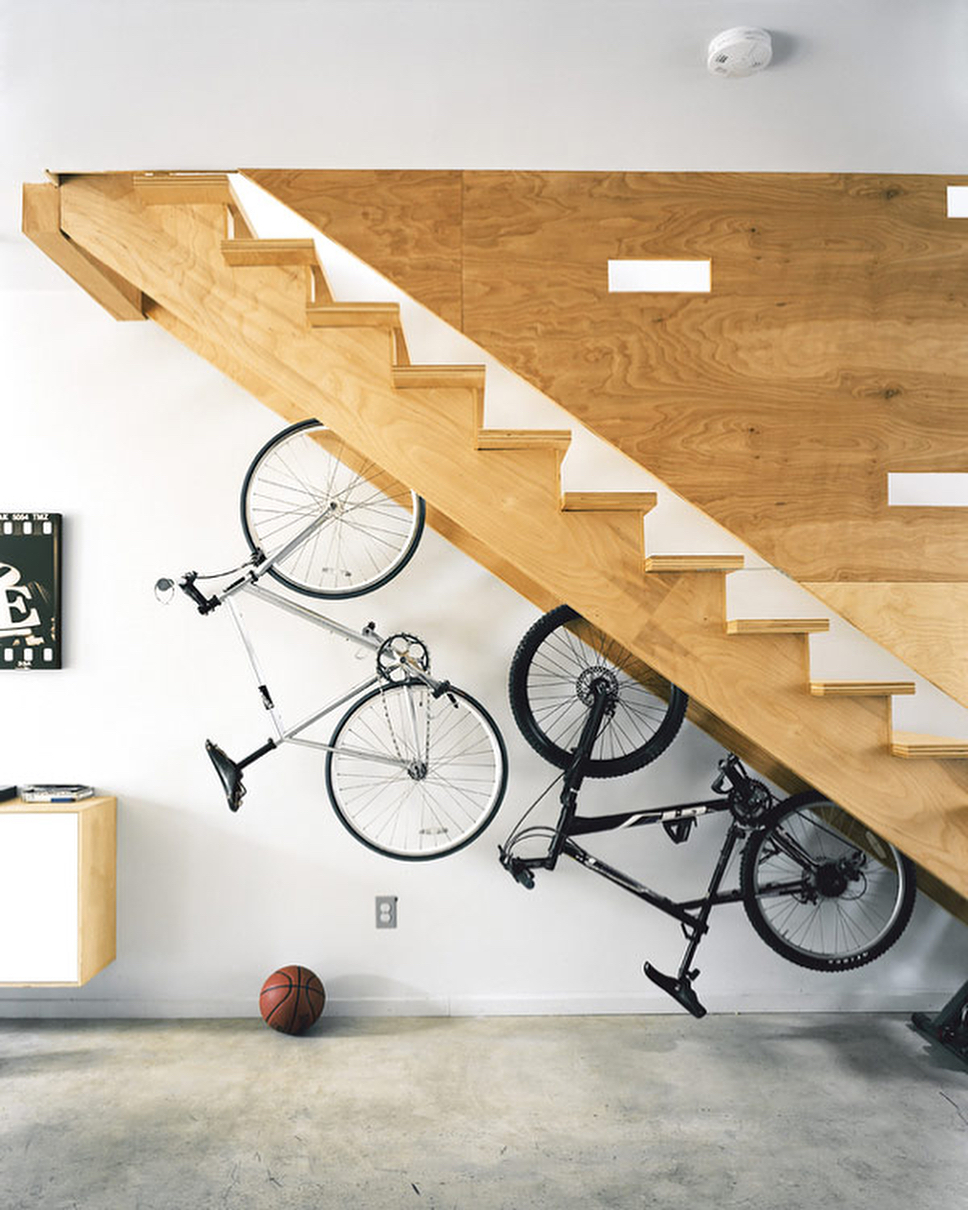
(745, 1113)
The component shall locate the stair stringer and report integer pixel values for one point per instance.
(724, 733)
(510, 501)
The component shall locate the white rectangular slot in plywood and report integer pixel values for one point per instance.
(659, 276)
(928, 489)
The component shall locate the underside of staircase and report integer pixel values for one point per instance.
(176, 248)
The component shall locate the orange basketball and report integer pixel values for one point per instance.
(291, 999)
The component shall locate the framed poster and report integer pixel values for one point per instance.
(30, 577)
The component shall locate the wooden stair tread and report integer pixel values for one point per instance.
(861, 688)
(912, 746)
(413, 377)
(246, 252)
(658, 563)
(777, 625)
(523, 439)
(605, 502)
(175, 189)
(353, 315)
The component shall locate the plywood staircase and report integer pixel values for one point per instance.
(262, 312)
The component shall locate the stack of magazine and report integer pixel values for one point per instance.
(51, 793)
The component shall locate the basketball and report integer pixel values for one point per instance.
(291, 999)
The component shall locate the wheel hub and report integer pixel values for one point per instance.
(831, 880)
(607, 681)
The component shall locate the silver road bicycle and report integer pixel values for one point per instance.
(415, 767)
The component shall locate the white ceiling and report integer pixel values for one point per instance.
(859, 85)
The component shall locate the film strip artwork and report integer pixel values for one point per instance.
(30, 577)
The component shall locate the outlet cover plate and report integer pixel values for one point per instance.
(386, 911)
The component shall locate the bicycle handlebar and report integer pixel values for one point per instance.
(187, 585)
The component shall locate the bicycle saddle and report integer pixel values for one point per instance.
(229, 774)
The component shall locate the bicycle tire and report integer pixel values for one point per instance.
(375, 522)
(416, 818)
(847, 908)
(548, 690)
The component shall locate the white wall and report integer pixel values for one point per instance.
(142, 447)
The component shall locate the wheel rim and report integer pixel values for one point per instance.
(851, 886)
(446, 793)
(372, 521)
(566, 663)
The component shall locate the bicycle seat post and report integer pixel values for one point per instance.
(575, 773)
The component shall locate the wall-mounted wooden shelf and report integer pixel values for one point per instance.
(57, 891)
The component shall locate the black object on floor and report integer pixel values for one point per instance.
(950, 1026)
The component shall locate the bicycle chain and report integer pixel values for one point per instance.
(393, 736)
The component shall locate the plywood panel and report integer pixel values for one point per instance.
(926, 625)
(407, 224)
(832, 348)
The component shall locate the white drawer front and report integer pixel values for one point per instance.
(38, 898)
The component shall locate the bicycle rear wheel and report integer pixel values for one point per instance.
(449, 788)
(549, 687)
(823, 890)
(373, 522)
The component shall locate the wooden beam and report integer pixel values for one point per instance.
(41, 224)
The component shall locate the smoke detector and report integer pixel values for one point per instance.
(739, 52)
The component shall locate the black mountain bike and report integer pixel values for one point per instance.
(818, 886)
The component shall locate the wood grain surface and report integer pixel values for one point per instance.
(41, 224)
(509, 500)
(926, 625)
(832, 348)
(407, 224)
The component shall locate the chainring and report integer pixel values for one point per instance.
(401, 656)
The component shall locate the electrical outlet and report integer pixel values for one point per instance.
(386, 911)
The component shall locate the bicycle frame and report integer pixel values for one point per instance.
(368, 638)
(692, 914)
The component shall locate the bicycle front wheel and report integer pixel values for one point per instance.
(550, 690)
(415, 776)
(823, 890)
(373, 523)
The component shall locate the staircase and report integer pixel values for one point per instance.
(178, 249)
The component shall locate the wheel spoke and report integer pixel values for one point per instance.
(561, 664)
(819, 896)
(374, 525)
(439, 804)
